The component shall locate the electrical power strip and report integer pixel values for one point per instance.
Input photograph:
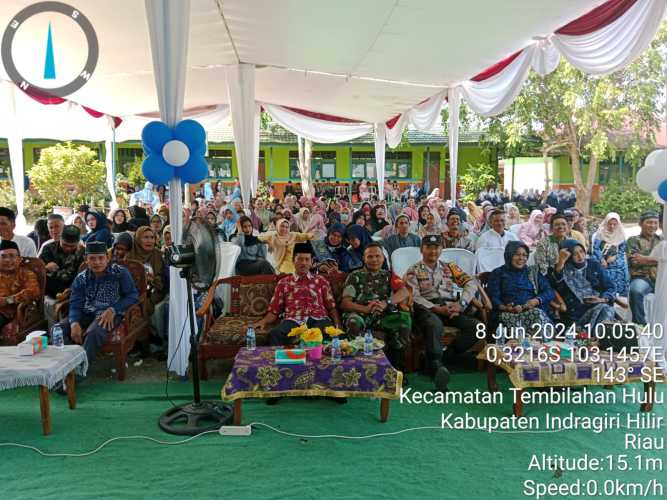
(235, 430)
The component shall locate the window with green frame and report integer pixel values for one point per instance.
(5, 165)
(322, 165)
(398, 165)
(363, 164)
(219, 163)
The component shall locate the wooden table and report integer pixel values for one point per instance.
(525, 371)
(44, 369)
(255, 375)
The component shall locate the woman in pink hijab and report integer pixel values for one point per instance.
(549, 212)
(316, 227)
(532, 231)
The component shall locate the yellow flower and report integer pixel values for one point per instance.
(312, 335)
(298, 331)
(332, 331)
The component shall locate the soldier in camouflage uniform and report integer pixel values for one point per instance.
(367, 304)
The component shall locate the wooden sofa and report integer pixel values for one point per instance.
(222, 337)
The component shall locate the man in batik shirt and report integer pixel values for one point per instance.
(300, 298)
(367, 304)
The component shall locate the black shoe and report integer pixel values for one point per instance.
(441, 378)
(273, 401)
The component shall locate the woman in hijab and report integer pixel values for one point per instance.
(146, 251)
(532, 231)
(303, 219)
(292, 220)
(364, 193)
(609, 250)
(281, 245)
(411, 210)
(228, 226)
(252, 259)
(332, 250)
(99, 230)
(432, 226)
(442, 210)
(475, 213)
(316, 227)
(378, 219)
(584, 285)
(119, 221)
(512, 214)
(359, 238)
(358, 218)
(262, 213)
(156, 225)
(211, 219)
(520, 294)
(549, 212)
(421, 220)
(166, 238)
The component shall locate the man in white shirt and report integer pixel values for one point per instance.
(7, 225)
(496, 237)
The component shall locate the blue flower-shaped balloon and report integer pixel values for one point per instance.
(177, 152)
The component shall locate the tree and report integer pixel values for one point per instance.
(591, 117)
(67, 173)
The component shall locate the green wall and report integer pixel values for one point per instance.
(276, 156)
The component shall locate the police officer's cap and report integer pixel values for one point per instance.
(432, 239)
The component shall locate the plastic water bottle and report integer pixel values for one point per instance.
(57, 337)
(368, 343)
(336, 353)
(250, 339)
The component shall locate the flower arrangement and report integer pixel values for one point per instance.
(312, 338)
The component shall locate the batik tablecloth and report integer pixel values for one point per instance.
(45, 368)
(255, 375)
(525, 371)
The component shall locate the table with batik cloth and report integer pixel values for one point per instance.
(525, 371)
(256, 375)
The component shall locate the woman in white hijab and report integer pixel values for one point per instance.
(609, 249)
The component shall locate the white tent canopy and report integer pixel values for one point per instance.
(367, 60)
(383, 63)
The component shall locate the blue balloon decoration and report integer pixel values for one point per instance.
(156, 134)
(192, 134)
(662, 191)
(156, 170)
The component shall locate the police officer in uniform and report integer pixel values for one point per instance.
(442, 293)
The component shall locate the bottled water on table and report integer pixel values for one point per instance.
(250, 339)
(368, 343)
(57, 337)
(336, 353)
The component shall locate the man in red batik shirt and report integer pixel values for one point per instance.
(300, 298)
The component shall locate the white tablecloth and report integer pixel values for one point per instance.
(44, 368)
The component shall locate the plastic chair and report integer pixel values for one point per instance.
(489, 259)
(465, 259)
(403, 258)
(227, 257)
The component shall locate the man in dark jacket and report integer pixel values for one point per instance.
(62, 259)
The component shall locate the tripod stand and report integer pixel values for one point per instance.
(199, 416)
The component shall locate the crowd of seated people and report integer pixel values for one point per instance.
(548, 252)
